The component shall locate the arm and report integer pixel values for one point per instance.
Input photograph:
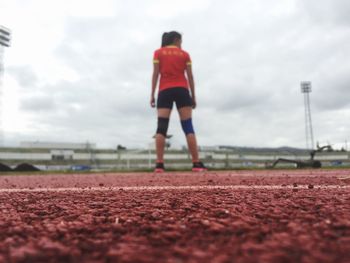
(154, 83)
(191, 82)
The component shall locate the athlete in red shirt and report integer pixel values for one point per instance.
(171, 63)
(172, 69)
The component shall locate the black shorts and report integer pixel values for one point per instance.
(167, 97)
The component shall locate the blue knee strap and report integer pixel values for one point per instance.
(187, 126)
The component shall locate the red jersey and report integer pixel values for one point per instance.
(172, 65)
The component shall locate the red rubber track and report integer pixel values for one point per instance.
(240, 216)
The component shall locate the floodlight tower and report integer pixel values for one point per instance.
(306, 90)
(5, 38)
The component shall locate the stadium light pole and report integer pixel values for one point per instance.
(5, 39)
(306, 90)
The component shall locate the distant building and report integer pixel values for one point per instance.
(58, 145)
(209, 148)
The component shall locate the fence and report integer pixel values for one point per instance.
(144, 159)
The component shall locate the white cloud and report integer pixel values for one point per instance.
(80, 70)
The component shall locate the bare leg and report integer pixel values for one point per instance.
(160, 144)
(160, 139)
(185, 114)
(192, 146)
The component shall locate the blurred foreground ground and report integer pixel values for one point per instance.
(239, 216)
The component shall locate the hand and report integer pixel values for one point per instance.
(194, 103)
(152, 102)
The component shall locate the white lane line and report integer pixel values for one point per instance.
(159, 188)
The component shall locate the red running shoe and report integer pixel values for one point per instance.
(199, 167)
(159, 168)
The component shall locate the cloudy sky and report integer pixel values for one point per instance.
(80, 70)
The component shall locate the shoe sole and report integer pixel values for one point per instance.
(159, 170)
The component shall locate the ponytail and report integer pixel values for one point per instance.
(165, 39)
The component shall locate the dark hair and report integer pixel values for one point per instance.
(165, 39)
(169, 38)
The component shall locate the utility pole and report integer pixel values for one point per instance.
(5, 39)
(309, 136)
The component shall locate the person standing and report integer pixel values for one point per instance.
(172, 64)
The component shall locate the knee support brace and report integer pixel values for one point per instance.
(187, 126)
(163, 124)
